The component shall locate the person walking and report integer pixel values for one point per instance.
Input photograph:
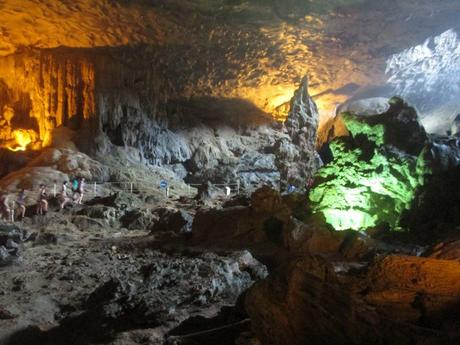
(81, 190)
(21, 204)
(42, 204)
(63, 197)
(5, 211)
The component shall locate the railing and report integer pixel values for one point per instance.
(94, 189)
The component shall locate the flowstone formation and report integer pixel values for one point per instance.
(375, 172)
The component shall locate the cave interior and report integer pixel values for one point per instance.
(229, 172)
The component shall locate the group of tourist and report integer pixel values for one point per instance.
(8, 212)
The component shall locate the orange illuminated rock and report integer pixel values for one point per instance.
(40, 92)
(22, 139)
(414, 289)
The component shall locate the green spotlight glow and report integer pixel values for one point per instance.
(358, 193)
(374, 133)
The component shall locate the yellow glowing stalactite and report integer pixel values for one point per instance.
(22, 138)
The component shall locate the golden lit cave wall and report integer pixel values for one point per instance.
(41, 90)
(47, 88)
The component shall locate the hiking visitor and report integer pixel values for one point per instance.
(5, 211)
(81, 190)
(21, 204)
(63, 197)
(42, 202)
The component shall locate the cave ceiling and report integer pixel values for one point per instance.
(254, 49)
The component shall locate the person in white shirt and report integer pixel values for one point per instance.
(63, 197)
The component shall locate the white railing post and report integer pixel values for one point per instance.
(131, 187)
(12, 212)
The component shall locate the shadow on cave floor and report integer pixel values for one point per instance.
(79, 330)
(89, 328)
(223, 329)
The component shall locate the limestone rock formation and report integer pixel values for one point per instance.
(401, 301)
(448, 250)
(435, 214)
(301, 303)
(178, 221)
(296, 158)
(455, 130)
(375, 171)
(105, 100)
(417, 290)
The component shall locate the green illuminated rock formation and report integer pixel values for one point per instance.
(371, 179)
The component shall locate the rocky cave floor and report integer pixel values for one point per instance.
(104, 274)
(46, 287)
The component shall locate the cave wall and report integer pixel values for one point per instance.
(41, 91)
(136, 97)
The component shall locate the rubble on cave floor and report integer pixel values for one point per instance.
(158, 284)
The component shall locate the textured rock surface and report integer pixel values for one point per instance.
(266, 41)
(178, 221)
(449, 250)
(115, 99)
(296, 158)
(375, 170)
(417, 290)
(76, 277)
(296, 305)
(304, 303)
(427, 74)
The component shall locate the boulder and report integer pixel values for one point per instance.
(137, 219)
(72, 163)
(268, 200)
(262, 222)
(178, 221)
(228, 227)
(376, 170)
(313, 237)
(444, 153)
(109, 215)
(365, 107)
(448, 250)
(301, 303)
(400, 125)
(412, 289)
(115, 200)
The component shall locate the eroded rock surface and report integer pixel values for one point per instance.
(304, 303)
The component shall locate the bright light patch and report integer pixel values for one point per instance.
(22, 138)
(348, 219)
(359, 191)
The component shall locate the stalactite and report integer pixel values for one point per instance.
(58, 87)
